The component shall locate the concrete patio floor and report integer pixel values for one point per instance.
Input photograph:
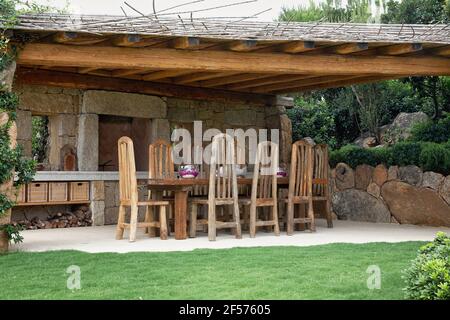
(101, 239)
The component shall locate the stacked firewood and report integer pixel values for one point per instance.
(81, 217)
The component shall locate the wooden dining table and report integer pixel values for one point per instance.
(181, 187)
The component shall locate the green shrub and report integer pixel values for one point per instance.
(435, 157)
(406, 153)
(428, 277)
(355, 156)
(432, 131)
(427, 155)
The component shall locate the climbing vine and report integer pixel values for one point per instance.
(13, 165)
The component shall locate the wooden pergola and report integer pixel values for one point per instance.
(221, 60)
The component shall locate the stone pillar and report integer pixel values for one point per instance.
(24, 131)
(87, 149)
(276, 118)
(97, 205)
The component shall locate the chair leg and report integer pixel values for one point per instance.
(121, 220)
(275, 220)
(252, 221)
(312, 226)
(237, 218)
(328, 212)
(290, 218)
(212, 222)
(150, 217)
(133, 222)
(193, 221)
(163, 232)
(301, 210)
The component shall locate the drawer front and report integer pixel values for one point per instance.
(37, 192)
(21, 194)
(58, 191)
(79, 191)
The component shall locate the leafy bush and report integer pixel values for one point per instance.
(435, 157)
(355, 156)
(428, 277)
(432, 131)
(406, 153)
(429, 156)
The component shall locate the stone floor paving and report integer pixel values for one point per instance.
(101, 239)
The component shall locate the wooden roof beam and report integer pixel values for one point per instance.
(88, 82)
(243, 45)
(298, 46)
(441, 51)
(76, 38)
(201, 76)
(349, 48)
(233, 79)
(186, 43)
(399, 49)
(267, 81)
(158, 75)
(338, 84)
(303, 82)
(129, 72)
(127, 40)
(104, 57)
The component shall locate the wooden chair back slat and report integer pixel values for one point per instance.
(222, 174)
(264, 184)
(320, 168)
(160, 160)
(127, 170)
(301, 169)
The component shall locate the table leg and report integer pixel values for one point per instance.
(181, 197)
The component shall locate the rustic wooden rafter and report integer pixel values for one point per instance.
(227, 61)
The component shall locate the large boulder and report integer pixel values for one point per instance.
(411, 174)
(415, 205)
(432, 180)
(345, 177)
(357, 205)
(444, 191)
(400, 129)
(363, 176)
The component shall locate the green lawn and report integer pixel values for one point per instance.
(336, 271)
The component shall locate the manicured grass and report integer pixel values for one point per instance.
(336, 271)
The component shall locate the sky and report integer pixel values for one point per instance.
(112, 7)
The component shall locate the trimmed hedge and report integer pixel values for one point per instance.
(427, 155)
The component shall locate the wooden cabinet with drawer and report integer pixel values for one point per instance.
(58, 192)
(37, 192)
(79, 191)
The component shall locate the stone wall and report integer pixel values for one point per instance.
(404, 195)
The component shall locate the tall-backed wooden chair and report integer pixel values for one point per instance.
(223, 190)
(129, 196)
(300, 186)
(264, 188)
(321, 187)
(161, 166)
